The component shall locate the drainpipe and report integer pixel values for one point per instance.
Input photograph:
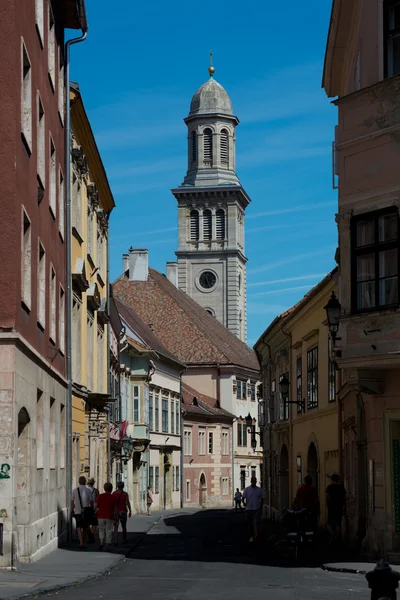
(109, 387)
(68, 248)
(291, 457)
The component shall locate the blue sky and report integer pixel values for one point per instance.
(138, 70)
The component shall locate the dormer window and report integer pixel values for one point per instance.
(220, 224)
(194, 225)
(208, 147)
(224, 148)
(207, 225)
(194, 146)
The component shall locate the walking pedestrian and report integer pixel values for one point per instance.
(149, 500)
(106, 515)
(336, 504)
(307, 498)
(253, 497)
(238, 500)
(124, 511)
(93, 523)
(80, 503)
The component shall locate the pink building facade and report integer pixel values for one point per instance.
(362, 67)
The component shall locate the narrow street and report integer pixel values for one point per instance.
(205, 555)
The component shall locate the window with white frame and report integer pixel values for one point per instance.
(51, 47)
(225, 486)
(253, 391)
(202, 441)
(151, 411)
(61, 321)
(100, 357)
(178, 479)
(26, 266)
(39, 20)
(157, 480)
(151, 477)
(224, 147)
(136, 403)
(41, 289)
(164, 415)
(52, 179)
(61, 200)
(53, 304)
(225, 442)
(241, 392)
(172, 415)
(26, 99)
(187, 442)
(178, 417)
(312, 377)
(157, 412)
(188, 489)
(210, 442)
(242, 434)
(146, 405)
(208, 147)
(41, 146)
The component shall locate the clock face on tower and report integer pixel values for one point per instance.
(207, 280)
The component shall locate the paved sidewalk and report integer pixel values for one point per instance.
(70, 566)
(354, 567)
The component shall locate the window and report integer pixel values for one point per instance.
(253, 391)
(178, 479)
(157, 412)
(172, 415)
(52, 180)
(26, 100)
(61, 322)
(151, 409)
(210, 442)
(194, 225)
(220, 224)
(178, 423)
(299, 471)
(241, 392)
(225, 443)
(299, 391)
(26, 266)
(39, 430)
(53, 302)
(62, 436)
(392, 37)
(61, 84)
(224, 148)
(254, 472)
(225, 486)
(207, 225)
(283, 404)
(208, 149)
(375, 260)
(41, 150)
(242, 477)
(164, 415)
(312, 377)
(187, 442)
(136, 404)
(39, 15)
(202, 441)
(331, 373)
(61, 203)
(151, 477)
(157, 481)
(52, 48)
(242, 434)
(187, 490)
(76, 336)
(41, 286)
(194, 146)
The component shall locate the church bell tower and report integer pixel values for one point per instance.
(211, 207)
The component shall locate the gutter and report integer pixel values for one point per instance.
(68, 247)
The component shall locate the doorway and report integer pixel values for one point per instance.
(202, 490)
(284, 478)
(312, 465)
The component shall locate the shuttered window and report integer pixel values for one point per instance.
(208, 153)
(224, 148)
(194, 146)
(194, 225)
(220, 223)
(207, 225)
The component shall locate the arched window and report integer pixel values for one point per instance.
(194, 225)
(208, 146)
(207, 225)
(224, 147)
(194, 146)
(220, 215)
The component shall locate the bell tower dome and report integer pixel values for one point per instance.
(211, 206)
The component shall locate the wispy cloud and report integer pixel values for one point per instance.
(257, 308)
(288, 226)
(137, 243)
(283, 290)
(291, 259)
(138, 136)
(286, 280)
(292, 209)
(147, 168)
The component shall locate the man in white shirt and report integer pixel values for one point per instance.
(80, 501)
(253, 497)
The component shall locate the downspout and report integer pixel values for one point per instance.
(291, 457)
(109, 387)
(68, 248)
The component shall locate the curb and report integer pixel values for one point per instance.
(343, 570)
(90, 578)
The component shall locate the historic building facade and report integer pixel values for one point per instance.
(91, 205)
(211, 266)
(33, 388)
(362, 73)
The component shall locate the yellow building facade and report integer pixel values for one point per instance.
(302, 433)
(91, 205)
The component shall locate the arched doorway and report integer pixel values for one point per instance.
(312, 464)
(202, 490)
(284, 478)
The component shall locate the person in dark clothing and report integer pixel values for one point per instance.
(307, 497)
(336, 504)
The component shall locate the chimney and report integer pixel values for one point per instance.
(172, 272)
(138, 264)
(125, 263)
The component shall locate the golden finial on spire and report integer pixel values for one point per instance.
(211, 69)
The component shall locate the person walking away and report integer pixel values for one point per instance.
(253, 497)
(80, 503)
(149, 500)
(106, 515)
(93, 493)
(336, 504)
(123, 510)
(238, 499)
(307, 498)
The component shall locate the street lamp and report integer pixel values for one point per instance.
(127, 446)
(284, 386)
(249, 421)
(333, 310)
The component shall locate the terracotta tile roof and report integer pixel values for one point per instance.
(137, 345)
(202, 405)
(182, 325)
(132, 319)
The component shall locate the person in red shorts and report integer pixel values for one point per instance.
(106, 505)
(307, 497)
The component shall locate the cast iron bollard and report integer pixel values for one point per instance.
(383, 581)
